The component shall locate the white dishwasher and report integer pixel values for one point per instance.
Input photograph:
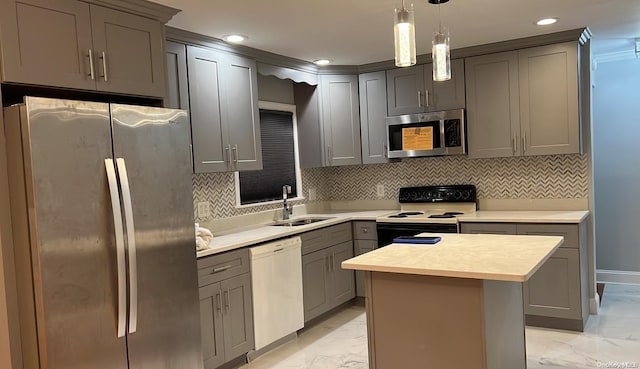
(276, 277)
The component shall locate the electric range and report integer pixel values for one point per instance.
(427, 209)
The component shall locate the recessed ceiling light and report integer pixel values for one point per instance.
(322, 62)
(546, 21)
(235, 38)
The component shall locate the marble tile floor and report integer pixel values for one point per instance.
(611, 340)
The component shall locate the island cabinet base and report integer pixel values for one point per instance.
(418, 322)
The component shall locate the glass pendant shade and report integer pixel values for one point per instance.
(404, 32)
(441, 55)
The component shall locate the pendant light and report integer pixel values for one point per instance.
(441, 50)
(404, 32)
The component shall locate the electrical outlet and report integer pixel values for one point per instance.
(203, 210)
(380, 190)
(312, 194)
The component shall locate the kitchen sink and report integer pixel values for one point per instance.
(299, 222)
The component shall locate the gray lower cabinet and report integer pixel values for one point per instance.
(73, 44)
(412, 90)
(226, 310)
(325, 284)
(524, 102)
(373, 114)
(557, 295)
(225, 122)
(365, 239)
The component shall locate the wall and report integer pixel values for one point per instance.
(537, 177)
(616, 134)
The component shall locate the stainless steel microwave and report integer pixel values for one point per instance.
(427, 134)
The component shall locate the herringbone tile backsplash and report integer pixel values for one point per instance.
(536, 177)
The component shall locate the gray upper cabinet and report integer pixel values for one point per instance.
(373, 114)
(129, 51)
(340, 119)
(209, 135)
(46, 42)
(177, 84)
(493, 118)
(224, 111)
(549, 108)
(307, 101)
(405, 90)
(446, 95)
(241, 115)
(524, 102)
(72, 44)
(412, 90)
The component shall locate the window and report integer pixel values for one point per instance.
(279, 159)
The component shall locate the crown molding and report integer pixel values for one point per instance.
(143, 8)
(615, 56)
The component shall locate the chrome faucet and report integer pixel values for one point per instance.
(287, 209)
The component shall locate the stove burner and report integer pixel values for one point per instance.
(448, 214)
(405, 214)
(411, 213)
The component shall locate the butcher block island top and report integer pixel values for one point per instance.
(476, 256)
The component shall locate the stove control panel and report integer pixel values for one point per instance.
(458, 193)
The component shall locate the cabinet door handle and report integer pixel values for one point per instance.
(235, 156)
(104, 67)
(333, 260)
(426, 98)
(219, 302)
(524, 142)
(227, 158)
(364, 229)
(227, 300)
(92, 71)
(329, 156)
(419, 98)
(326, 263)
(514, 143)
(221, 269)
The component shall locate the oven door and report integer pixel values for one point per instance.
(388, 231)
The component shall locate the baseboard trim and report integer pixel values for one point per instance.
(617, 276)
(254, 354)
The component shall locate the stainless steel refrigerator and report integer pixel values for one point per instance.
(102, 216)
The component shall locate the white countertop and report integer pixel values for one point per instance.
(477, 256)
(503, 216)
(264, 232)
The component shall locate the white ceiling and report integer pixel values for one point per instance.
(354, 32)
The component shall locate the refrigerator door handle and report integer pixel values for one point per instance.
(117, 223)
(131, 245)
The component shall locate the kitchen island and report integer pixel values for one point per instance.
(456, 304)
